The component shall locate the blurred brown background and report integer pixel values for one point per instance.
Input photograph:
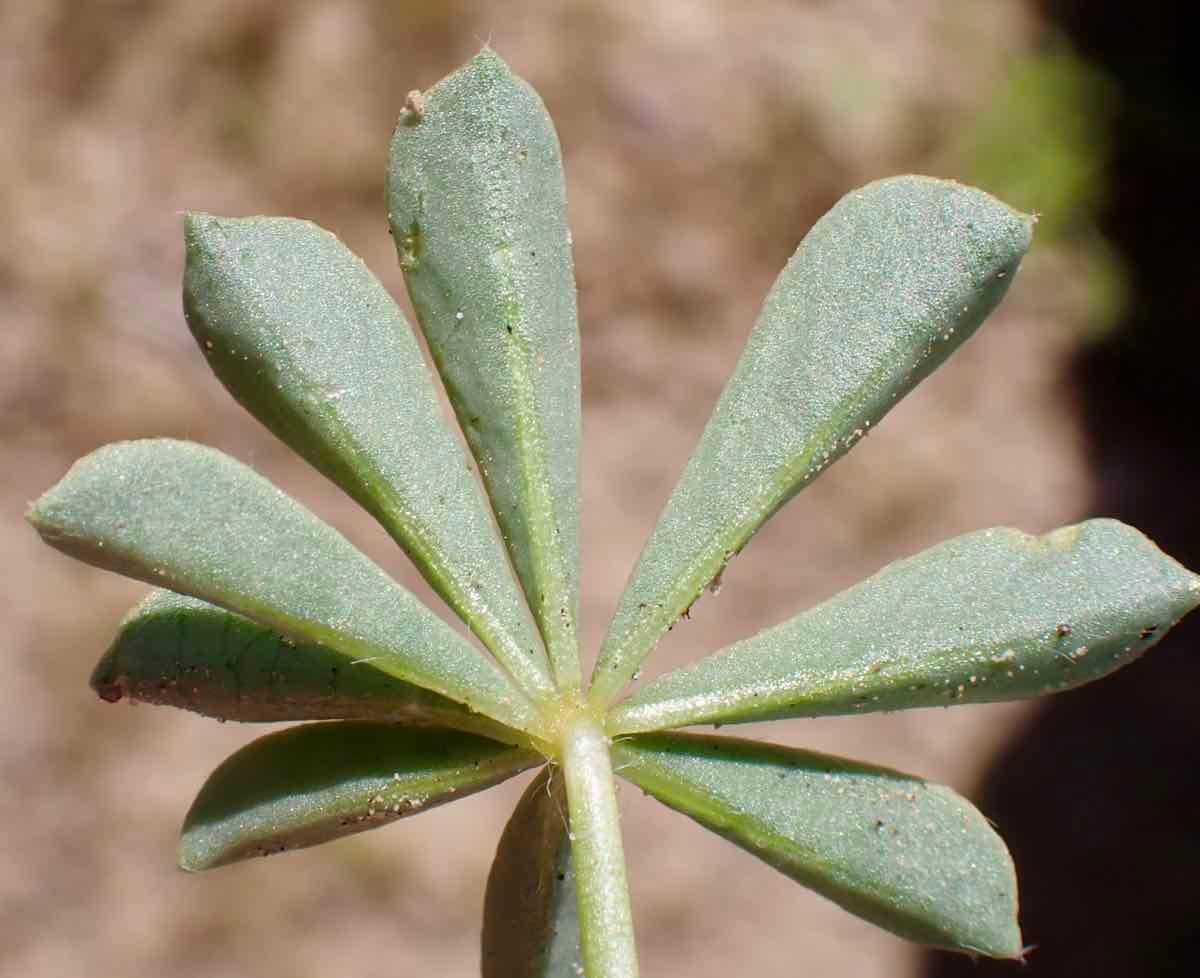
(701, 140)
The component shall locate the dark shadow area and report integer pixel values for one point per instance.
(1099, 798)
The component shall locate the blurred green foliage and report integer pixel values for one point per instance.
(1041, 140)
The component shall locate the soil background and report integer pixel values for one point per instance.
(701, 140)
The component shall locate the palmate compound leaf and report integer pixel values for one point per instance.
(914, 858)
(187, 517)
(882, 289)
(306, 339)
(530, 920)
(322, 781)
(993, 615)
(172, 650)
(477, 206)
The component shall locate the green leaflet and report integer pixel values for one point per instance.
(993, 615)
(322, 781)
(477, 207)
(530, 925)
(307, 340)
(912, 857)
(173, 650)
(882, 289)
(190, 518)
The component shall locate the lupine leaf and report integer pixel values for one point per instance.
(477, 207)
(307, 340)
(993, 615)
(322, 781)
(173, 650)
(914, 858)
(883, 288)
(189, 518)
(530, 925)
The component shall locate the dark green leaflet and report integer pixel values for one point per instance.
(530, 924)
(321, 781)
(175, 650)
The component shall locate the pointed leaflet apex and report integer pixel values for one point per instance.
(477, 207)
(882, 289)
(196, 226)
(488, 59)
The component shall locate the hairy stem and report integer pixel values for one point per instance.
(605, 918)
